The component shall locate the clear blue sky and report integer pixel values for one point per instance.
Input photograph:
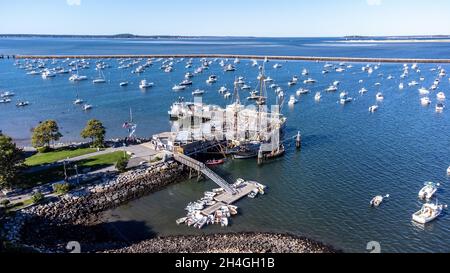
(227, 17)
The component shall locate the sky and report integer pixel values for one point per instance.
(262, 18)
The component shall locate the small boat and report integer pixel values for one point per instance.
(428, 190)
(145, 84)
(87, 107)
(101, 77)
(268, 79)
(423, 91)
(302, 91)
(77, 78)
(380, 96)
(78, 101)
(332, 88)
(309, 81)
(345, 100)
(246, 87)
(246, 154)
(7, 94)
(123, 84)
(401, 86)
(215, 162)
(425, 101)
(22, 103)
(186, 82)
(413, 83)
(224, 222)
(230, 68)
(212, 79)
(427, 213)
(198, 92)
(440, 96)
(223, 89)
(181, 220)
(373, 108)
(5, 100)
(336, 83)
(47, 74)
(363, 91)
(377, 200)
(292, 100)
(276, 66)
(178, 87)
(440, 107)
(318, 96)
(253, 193)
(448, 170)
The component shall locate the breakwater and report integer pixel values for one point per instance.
(228, 243)
(75, 216)
(233, 56)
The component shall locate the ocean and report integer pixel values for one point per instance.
(323, 191)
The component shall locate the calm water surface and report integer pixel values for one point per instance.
(322, 192)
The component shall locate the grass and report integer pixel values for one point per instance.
(19, 205)
(54, 156)
(55, 174)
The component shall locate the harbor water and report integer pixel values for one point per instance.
(323, 191)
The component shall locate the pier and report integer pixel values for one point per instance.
(202, 168)
(232, 56)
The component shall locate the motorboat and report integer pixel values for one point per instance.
(401, 86)
(145, 84)
(318, 96)
(423, 91)
(332, 88)
(198, 92)
(5, 100)
(309, 81)
(345, 99)
(179, 87)
(336, 83)
(428, 190)
(276, 66)
(448, 170)
(302, 91)
(215, 162)
(268, 79)
(181, 220)
(425, 101)
(188, 75)
(246, 87)
(223, 89)
(377, 200)
(340, 69)
(87, 107)
(186, 82)
(253, 193)
(363, 91)
(48, 74)
(123, 83)
(440, 96)
(22, 104)
(7, 94)
(440, 107)
(230, 68)
(305, 72)
(292, 100)
(77, 78)
(212, 79)
(380, 96)
(78, 101)
(373, 108)
(427, 213)
(413, 83)
(101, 77)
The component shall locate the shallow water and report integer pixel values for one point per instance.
(322, 192)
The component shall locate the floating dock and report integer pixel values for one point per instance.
(256, 57)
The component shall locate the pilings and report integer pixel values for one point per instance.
(256, 57)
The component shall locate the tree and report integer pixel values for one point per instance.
(121, 164)
(37, 197)
(61, 189)
(96, 132)
(44, 133)
(11, 159)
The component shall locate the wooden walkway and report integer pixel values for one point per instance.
(228, 199)
(256, 57)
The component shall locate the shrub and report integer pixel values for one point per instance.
(61, 188)
(37, 198)
(5, 203)
(43, 150)
(121, 164)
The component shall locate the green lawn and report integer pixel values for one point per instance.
(50, 157)
(29, 180)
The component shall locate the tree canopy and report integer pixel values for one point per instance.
(45, 133)
(11, 160)
(96, 132)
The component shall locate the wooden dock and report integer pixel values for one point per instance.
(256, 57)
(228, 199)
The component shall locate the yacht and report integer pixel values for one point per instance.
(178, 88)
(198, 92)
(440, 107)
(440, 96)
(292, 100)
(373, 108)
(423, 91)
(428, 190)
(363, 91)
(318, 96)
(425, 101)
(428, 213)
(77, 78)
(145, 84)
(309, 80)
(101, 77)
(186, 82)
(332, 88)
(302, 91)
(380, 96)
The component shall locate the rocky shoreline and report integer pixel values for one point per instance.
(228, 243)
